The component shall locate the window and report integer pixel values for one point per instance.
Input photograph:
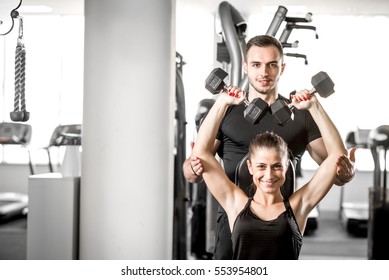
(353, 51)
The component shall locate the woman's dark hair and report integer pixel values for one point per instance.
(269, 140)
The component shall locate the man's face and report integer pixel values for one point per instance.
(263, 68)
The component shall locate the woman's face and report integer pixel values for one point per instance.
(268, 169)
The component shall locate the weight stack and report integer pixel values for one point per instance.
(378, 231)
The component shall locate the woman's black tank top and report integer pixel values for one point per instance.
(255, 239)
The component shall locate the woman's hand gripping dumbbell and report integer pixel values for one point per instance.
(255, 110)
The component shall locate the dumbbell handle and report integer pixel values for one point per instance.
(246, 102)
(254, 110)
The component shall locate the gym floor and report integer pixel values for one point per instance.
(329, 242)
(13, 239)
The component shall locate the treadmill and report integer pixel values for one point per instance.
(13, 204)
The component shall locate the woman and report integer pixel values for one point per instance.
(265, 226)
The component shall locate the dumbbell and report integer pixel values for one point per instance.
(254, 111)
(322, 84)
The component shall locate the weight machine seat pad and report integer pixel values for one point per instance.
(12, 204)
(15, 133)
(379, 137)
(69, 134)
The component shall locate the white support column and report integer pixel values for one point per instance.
(126, 201)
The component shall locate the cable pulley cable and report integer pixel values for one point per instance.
(20, 113)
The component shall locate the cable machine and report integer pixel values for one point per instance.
(15, 204)
(378, 231)
(19, 113)
(180, 185)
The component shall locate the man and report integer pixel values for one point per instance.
(264, 65)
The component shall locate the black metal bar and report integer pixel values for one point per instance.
(278, 18)
(233, 26)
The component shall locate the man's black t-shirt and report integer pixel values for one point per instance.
(235, 134)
